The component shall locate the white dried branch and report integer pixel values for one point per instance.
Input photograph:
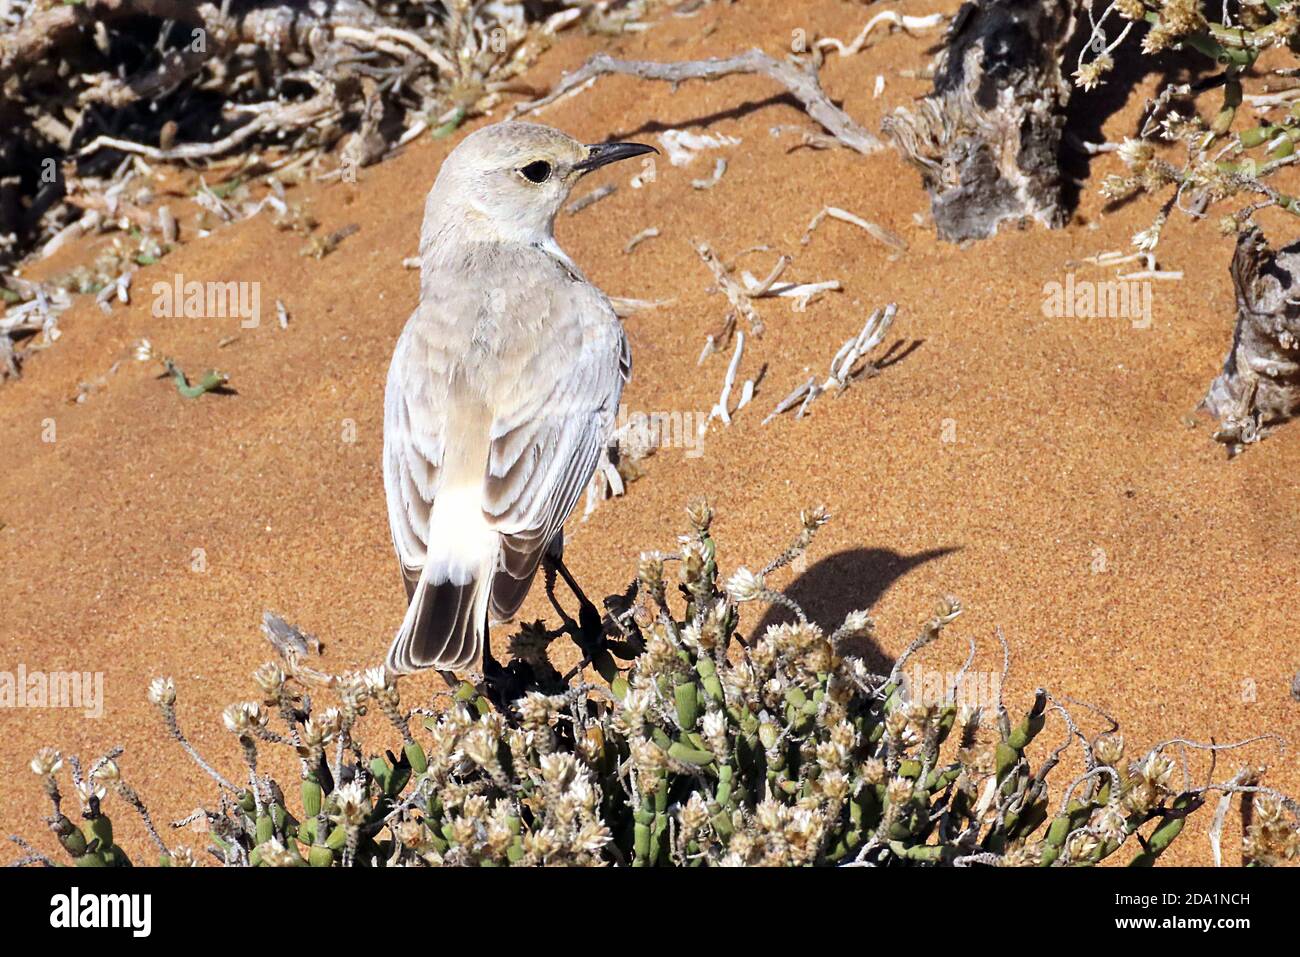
(682, 145)
(648, 233)
(736, 294)
(908, 23)
(802, 293)
(591, 198)
(720, 409)
(797, 78)
(624, 307)
(712, 179)
(877, 232)
(844, 366)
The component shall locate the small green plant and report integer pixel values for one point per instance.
(696, 747)
(211, 380)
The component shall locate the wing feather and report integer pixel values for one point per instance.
(412, 465)
(545, 449)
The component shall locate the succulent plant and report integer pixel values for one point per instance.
(695, 747)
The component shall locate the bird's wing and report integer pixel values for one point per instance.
(414, 447)
(546, 441)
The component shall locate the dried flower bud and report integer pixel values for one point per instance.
(351, 804)
(831, 756)
(411, 833)
(244, 717)
(764, 652)
(376, 679)
(162, 692)
(558, 769)
(1182, 17)
(898, 792)
(650, 573)
(744, 585)
(636, 706)
(1089, 75)
(182, 857)
(700, 515)
(814, 518)
(1109, 749)
(275, 854)
(88, 792)
(592, 836)
(857, 624)
(1082, 846)
(47, 761)
(1023, 855)
(1156, 770)
(352, 692)
(834, 784)
(714, 728)
(1147, 239)
(480, 746)
(692, 569)
(770, 816)
(535, 711)
(316, 734)
(270, 678)
(648, 757)
(694, 813)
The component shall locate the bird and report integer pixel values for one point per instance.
(501, 395)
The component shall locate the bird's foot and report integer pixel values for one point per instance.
(504, 686)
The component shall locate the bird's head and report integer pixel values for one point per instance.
(507, 181)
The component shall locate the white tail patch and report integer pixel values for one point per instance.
(461, 543)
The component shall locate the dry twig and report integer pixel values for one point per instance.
(796, 77)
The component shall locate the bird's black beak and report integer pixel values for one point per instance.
(599, 154)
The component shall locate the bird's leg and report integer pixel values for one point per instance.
(568, 625)
(590, 633)
(503, 686)
(493, 674)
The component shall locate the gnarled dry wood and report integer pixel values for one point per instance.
(798, 79)
(378, 75)
(1259, 387)
(986, 140)
(282, 27)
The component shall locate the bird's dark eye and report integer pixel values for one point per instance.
(538, 171)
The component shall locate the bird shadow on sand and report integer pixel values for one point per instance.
(847, 581)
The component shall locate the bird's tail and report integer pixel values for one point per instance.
(444, 622)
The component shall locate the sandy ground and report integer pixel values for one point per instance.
(1039, 468)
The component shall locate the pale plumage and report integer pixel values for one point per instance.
(503, 388)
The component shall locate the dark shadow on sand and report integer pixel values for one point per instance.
(848, 581)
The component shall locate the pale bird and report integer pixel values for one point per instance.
(502, 392)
